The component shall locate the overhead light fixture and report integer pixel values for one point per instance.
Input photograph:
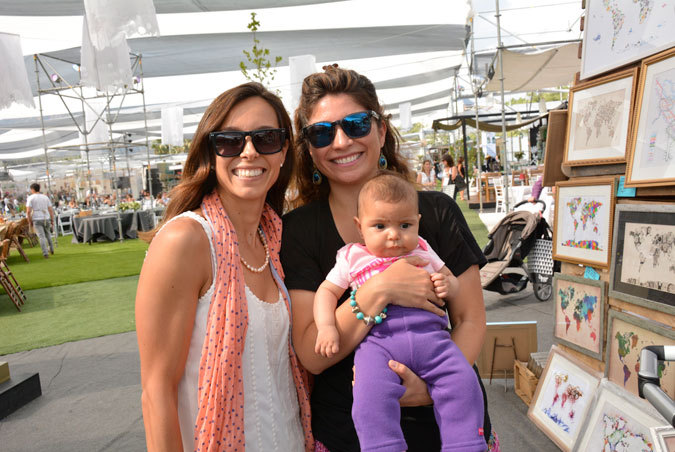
(76, 67)
(55, 78)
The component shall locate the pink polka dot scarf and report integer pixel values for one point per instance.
(220, 419)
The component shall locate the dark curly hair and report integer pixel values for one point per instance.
(335, 80)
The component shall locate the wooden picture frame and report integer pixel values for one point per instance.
(579, 317)
(618, 417)
(627, 335)
(600, 118)
(664, 438)
(564, 379)
(643, 252)
(651, 160)
(609, 43)
(579, 236)
(500, 340)
(556, 134)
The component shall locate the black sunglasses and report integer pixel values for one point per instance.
(356, 125)
(231, 143)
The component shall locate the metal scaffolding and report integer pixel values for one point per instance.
(114, 102)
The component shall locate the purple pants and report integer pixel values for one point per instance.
(418, 339)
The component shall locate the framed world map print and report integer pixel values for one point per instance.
(582, 230)
(619, 422)
(563, 397)
(643, 256)
(627, 335)
(618, 32)
(579, 313)
(599, 119)
(652, 157)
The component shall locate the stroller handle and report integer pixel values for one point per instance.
(538, 201)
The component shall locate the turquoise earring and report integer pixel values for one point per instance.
(316, 177)
(382, 162)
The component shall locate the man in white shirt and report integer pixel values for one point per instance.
(41, 217)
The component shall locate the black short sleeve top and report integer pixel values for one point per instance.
(309, 244)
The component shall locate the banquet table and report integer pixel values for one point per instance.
(90, 228)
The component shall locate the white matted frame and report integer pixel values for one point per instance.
(599, 119)
(651, 159)
(579, 313)
(643, 252)
(563, 397)
(582, 231)
(618, 420)
(623, 32)
(627, 335)
(664, 439)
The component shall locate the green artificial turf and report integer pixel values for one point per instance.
(76, 262)
(55, 315)
(477, 227)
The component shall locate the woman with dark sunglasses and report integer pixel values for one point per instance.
(340, 150)
(218, 371)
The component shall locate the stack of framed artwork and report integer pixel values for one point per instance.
(614, 231)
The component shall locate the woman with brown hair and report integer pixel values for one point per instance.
(218, 371)
(426, 178)
(460, 178)
(346, 138)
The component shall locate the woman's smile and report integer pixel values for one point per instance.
(347, 159)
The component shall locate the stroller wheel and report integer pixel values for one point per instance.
(542, 291)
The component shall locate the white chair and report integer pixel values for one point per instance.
(500, 196)
(65, 225)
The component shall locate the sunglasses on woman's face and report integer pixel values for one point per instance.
(356, 125)
(231, 143)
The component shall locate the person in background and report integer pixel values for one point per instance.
(536, 190)
(461, 171)
(41, 218)
(427, 177)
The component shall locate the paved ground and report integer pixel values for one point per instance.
(91, 392)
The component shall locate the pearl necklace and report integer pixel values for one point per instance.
(267, 255)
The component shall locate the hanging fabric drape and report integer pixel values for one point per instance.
(172, 126)
(299, 66)
(15, 86)
(106, 68)
(112, 21)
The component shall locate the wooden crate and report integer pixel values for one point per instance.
(524, 383)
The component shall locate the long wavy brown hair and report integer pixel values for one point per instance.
(335, 80)
(199, 177)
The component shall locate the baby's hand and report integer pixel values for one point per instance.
(445, 286)
(327, 341)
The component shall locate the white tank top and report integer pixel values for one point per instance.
(271, 410)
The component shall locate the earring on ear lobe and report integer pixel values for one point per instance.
(316, 176)
(382, 162)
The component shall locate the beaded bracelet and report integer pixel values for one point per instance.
(366, 318)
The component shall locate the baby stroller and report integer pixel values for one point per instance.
(518, 235)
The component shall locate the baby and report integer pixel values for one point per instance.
(388, 221)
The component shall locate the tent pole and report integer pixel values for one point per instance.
(501, 79)
(145, 120)
(479, 160)
(42, 121)
(114, 167)
(86, 132)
